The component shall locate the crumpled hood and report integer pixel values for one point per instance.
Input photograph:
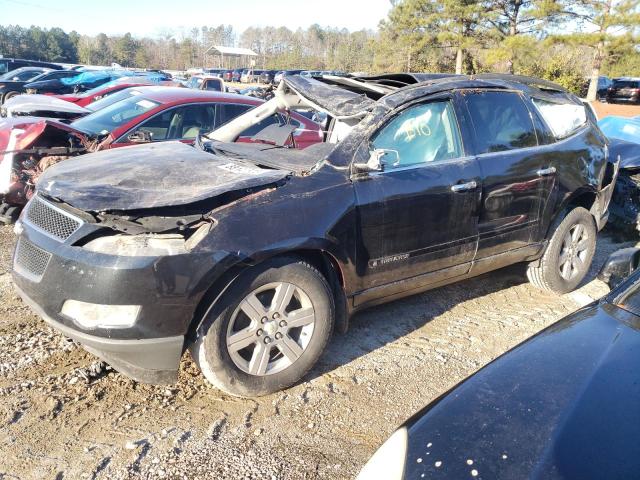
(146, 176)
(564, 405)
(45, 105)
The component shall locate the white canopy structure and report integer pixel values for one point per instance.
(240, 55)
(235, 51)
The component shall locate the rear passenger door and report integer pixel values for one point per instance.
(512, 169)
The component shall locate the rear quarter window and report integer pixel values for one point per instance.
(562, 118)
(626, 84)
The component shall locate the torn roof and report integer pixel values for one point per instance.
(336, 101)
(353, 97)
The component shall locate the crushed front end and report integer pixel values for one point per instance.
(118, 263)
(26, 151)
(625, 204)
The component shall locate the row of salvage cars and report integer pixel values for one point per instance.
(38, 131)
(249, 253)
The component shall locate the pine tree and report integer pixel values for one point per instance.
(600, 23)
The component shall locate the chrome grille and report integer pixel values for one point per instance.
(30, 261)
(51, 219)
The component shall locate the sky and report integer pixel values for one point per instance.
(152, 17)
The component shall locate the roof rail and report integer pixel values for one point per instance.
(525, 80)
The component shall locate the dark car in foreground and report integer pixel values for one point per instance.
(11, 88)
(250, 254)
(624, 90)
(562, 405)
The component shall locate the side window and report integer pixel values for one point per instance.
(28, 75)
(196, 119)
(420, 134)
(158, 125)
(214, 85)
(251, 131)
(501, 120)
(228, 111)
(563, 118)
(180, 123)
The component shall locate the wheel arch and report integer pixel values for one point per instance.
(583, 197)
(326, 263)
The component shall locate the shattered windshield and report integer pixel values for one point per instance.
(111, 117)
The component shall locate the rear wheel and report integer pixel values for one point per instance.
(568, 255)
(267, 331)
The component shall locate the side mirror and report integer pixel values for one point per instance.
(619, 265)
(140, 136)
(377, 160)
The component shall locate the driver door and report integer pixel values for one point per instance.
(418, 217)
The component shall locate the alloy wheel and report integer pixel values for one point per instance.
(270, 329)
(574, 251)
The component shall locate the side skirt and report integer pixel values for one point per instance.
(421, 283)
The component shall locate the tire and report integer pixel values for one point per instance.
(574, 241)
(246, 370)
(9, 95)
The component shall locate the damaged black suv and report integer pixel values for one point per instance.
(249, 255)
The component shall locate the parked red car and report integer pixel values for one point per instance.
(85, 98)
(29, 145)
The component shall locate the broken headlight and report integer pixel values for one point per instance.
(138, 245)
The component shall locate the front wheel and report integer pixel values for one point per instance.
(267, 331)
(568, 255)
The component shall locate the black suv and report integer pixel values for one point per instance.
(250, 254)
(625, 90)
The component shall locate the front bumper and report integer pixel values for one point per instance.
(153, 360)
(49, 270)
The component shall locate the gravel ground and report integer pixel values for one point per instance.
(65, 415)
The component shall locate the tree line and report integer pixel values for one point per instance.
(566, 41)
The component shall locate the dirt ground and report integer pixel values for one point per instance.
(606, 109)
(63, 415)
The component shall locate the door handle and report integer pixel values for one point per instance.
(543, 172)
(464, 187)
